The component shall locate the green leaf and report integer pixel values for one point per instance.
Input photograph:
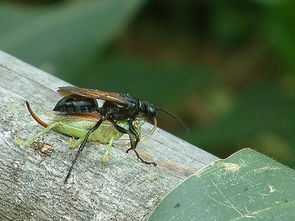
(61, 35)
(247, 185)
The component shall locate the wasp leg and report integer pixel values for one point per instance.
(133, 143)
(82, 147)
(35, 137)
(134, 132)
(106, 157)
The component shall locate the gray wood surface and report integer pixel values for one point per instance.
(31, 186)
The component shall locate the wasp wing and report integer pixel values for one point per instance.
(93, 93)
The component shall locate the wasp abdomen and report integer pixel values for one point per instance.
(71, 105)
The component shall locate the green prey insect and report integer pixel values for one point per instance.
(77, 126)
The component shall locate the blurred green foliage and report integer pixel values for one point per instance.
(226, 68)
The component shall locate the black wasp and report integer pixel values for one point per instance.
(110, 106)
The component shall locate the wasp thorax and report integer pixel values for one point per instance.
(148, 110)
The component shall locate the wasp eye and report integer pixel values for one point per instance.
(148, 109)
(151, 111)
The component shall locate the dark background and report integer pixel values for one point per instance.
(225, 67)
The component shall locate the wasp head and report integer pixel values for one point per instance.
(148, 110)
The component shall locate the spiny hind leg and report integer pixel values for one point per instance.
(28, 142)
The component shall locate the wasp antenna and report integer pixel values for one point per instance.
(39, 121)
(174, 116)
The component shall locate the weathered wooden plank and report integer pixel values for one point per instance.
(31, 187)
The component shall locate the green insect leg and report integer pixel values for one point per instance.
(74, 144)
(35, 137)
(106, 157)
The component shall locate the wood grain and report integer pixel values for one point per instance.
(31, 185)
